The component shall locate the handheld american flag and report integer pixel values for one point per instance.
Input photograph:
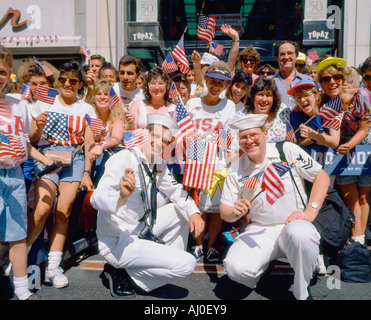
(200, 164)
(85, 52)
(169, 64)
(289, 132)
(135, 138)
(95, 124)
(186, 128)
(251, 182)
(46, 70)
(173, 91)
(206, 27)
(6, 111)
(26, 92)
(179, 55)
(332, 114)
(113, 98)
(46, 94)
(216, 48)
(224, 139)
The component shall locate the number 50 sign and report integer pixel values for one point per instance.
(315, 9)
(146, 10)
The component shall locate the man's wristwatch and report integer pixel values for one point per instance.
(314, 205)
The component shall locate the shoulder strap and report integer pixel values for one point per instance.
(279, 146)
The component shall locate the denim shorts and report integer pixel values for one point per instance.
(362, 181)
(68, 174)
(13, 205)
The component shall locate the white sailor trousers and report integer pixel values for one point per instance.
(253, 250)
(149, 264)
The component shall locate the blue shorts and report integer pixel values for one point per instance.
(362, 181)
(68, 174)
(13, 205)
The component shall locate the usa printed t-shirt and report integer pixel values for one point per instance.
(65, 125)
(208, 121)
(13, 148)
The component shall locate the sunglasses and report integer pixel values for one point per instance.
(246, 60)
(301, 65)
(72, 82)
(336, 77)
(265, 73)
(367, 77)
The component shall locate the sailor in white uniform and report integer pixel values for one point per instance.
(283, 229)
(125, 239)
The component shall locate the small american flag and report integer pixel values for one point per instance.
(95, 124)
(113, 98)
(289, 132)
(216, 48)
(272, 183)
(169, 64)
(224, 139)
(179, 55)
(26, 92)
(200, 164)
(186, 129)
(46, 94)
(85, 52)
(332, 114)
(173, 91)
(6, 112)
(11, 147)
(251, 182)
(206, 27)
(135, 138)
(46, 70)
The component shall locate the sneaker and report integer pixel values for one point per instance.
(320, 265)
(197, 252)
(213, 255)
(56, 277)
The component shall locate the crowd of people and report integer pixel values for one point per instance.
(146, 217)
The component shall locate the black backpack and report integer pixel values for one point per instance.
(334, 221)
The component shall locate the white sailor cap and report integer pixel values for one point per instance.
(163, 120)
(249, 121)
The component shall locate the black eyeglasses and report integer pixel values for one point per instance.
(246, 60)
(336, 77)
(265, 73)
(301, 65)
(367, 77)
(72, 82)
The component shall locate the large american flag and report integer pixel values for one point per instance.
(64, 129)
(95, 124)
(11, 147)
(6, 111)
(135, 138)
(46, 94)
(332, 114)
(169, 64)
(186, 129)
(272, 183)
(200, 164)
(206, 27)
(179, 55)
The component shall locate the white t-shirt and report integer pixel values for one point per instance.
(65, 125)
(13, 148)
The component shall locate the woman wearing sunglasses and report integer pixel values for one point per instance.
(60, 126)
(355, 126)
(249, 59)
(365, 70)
